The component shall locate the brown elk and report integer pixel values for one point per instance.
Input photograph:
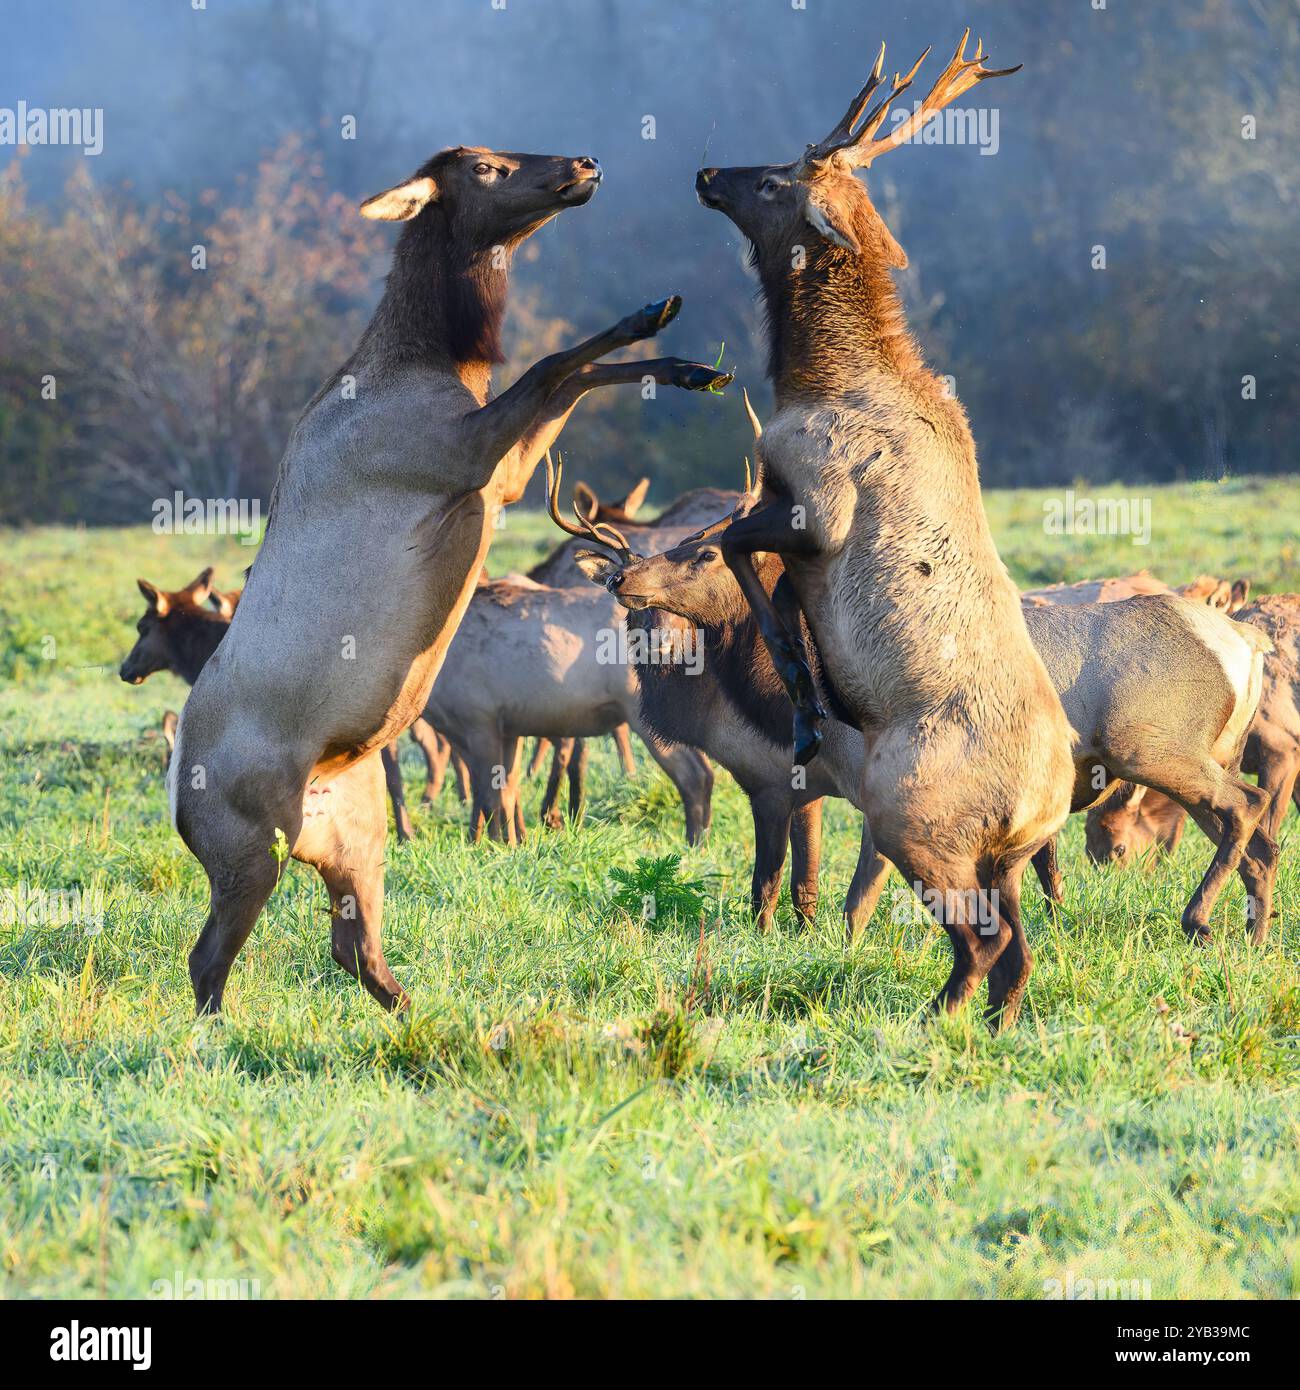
(531, 660)
(1122, 830)
(559, 570)
(379, 523)
(871, 497)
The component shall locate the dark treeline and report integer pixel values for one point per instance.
(1113, 292)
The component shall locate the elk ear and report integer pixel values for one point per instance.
(223, 603)
(1240, 594)
(200, 587)
(401, 202)
(631, 504)
(597, 567)
(586, 501)
(154, 597)
(169, 725)
(828, 221)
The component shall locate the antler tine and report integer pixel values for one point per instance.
(842, 133)
(959, 76)
(755, 423)
(587, 530)
(877, 117)
(749, 480)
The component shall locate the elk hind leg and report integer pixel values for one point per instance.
(577, 780)
(1229, 810)
(622, 737)
(560, 759)
(1048, 868)
(346, 847)
(867, 884)
(962, 904)
(393, 778)
(1009, 973)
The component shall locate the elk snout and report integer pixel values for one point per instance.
(587, 175)
(129, 674)
(702, 181)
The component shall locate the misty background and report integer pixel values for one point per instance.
(224, 128)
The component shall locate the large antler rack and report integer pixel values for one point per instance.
(854, 146)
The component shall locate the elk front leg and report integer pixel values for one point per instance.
(805, 859)
(769, 529)
(494, 429)
(664, 371)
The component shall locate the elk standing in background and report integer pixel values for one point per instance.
(871, 497)
(379, 523)
(1123, 828)
(531, 660)
(1161, 690)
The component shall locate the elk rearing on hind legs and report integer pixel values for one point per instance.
(871, 497)
(380, 521)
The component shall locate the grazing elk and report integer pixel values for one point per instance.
(871, 497)
(381, 516)
(531, 660)
(1122, 829)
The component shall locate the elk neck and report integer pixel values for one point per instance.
(834, 322)
(443, 303)
(193, 641)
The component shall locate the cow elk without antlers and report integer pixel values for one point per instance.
(381, 517)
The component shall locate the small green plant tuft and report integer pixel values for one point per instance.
(654, 891)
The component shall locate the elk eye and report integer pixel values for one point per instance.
(483, 169)
(768, 186)
(706, 557)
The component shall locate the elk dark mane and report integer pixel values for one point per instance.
(836, 314)
(193, 634)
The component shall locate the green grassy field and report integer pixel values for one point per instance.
(581, 1103)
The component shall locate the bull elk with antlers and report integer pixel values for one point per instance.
(380, 520)
(871, 497)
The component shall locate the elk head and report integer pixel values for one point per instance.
(774, 205)
(489, 197)
(1126, 827)
(165, 641)
(1221, 594)
(466, 211)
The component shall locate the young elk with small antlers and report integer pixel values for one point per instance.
(871, 498)
(380, 520)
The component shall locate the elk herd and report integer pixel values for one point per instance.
(842, 627)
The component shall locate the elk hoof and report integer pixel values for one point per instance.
(1198, 934)
(654, 317)
(696, 378)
